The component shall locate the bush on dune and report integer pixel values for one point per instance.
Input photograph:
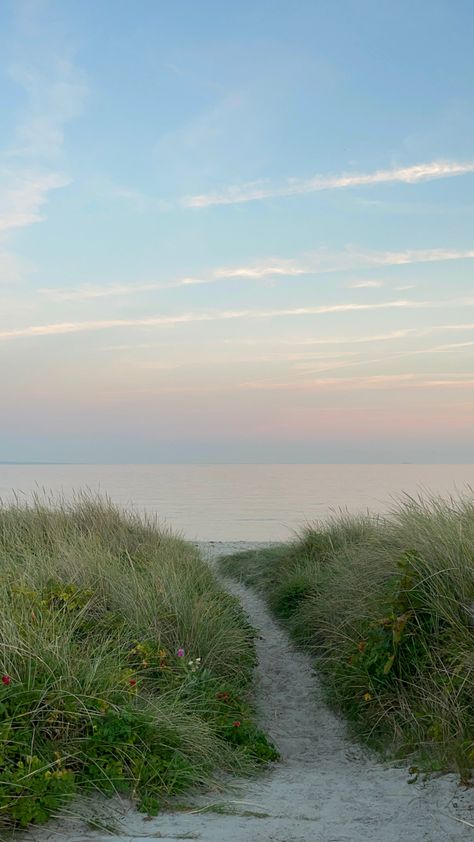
(124, 666)
(387, 607)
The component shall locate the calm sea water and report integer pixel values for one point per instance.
(239, 502)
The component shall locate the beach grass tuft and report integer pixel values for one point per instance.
(386, 607)
(124, 666)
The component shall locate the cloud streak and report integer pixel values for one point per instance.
(257, 191)
(402, 333)
(358, 383)
(318, 263)
(365, 285)
(271, 268)
(222, 315)
(380, 381)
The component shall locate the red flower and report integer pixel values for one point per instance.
(223, 697)
(236, 724)
(6, 679)
(132, 682)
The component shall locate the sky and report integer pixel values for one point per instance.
(237, 232)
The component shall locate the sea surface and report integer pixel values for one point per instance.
(239, 502)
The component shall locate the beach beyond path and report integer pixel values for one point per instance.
(325, 789)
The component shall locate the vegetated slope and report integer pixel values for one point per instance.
(124, 666)
(387, 606)
(324, 788)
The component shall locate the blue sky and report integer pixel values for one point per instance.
(237, 232)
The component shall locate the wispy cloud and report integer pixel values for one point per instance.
(403, 333)
(316, 263)
(24, 197)
(452, 327)
(391, 336)
(329, 340)
(272, 267)
(223, 315)
(277, 266)
(365, 285)
(456, 383)
(453, 346)
(353, 258)
(336, 360)
(399, 382)
(56, 92)
(377, 382)
(313, 384)
(372, 381)
(256, 191)
(308, 366)
(352, 359)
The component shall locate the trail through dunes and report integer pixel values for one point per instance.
(325, 789)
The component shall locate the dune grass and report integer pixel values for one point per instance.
(386, 606)
(124, 666)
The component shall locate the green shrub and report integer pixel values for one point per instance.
(386, 605)
(115, 644)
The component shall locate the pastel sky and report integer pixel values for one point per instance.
(237, 231)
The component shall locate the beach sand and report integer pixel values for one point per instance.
(325, 789)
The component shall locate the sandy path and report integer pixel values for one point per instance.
(326, 789)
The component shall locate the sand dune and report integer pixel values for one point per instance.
(326, 789)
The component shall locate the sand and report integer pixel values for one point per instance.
(325, 789)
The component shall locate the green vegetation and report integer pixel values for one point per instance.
(386, 605)
(123, 665)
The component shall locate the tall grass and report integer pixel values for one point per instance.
(124, 666)
(386, 605)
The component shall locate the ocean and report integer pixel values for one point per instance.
(239, 502)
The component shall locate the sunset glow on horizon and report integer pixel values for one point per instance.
(236, 234)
